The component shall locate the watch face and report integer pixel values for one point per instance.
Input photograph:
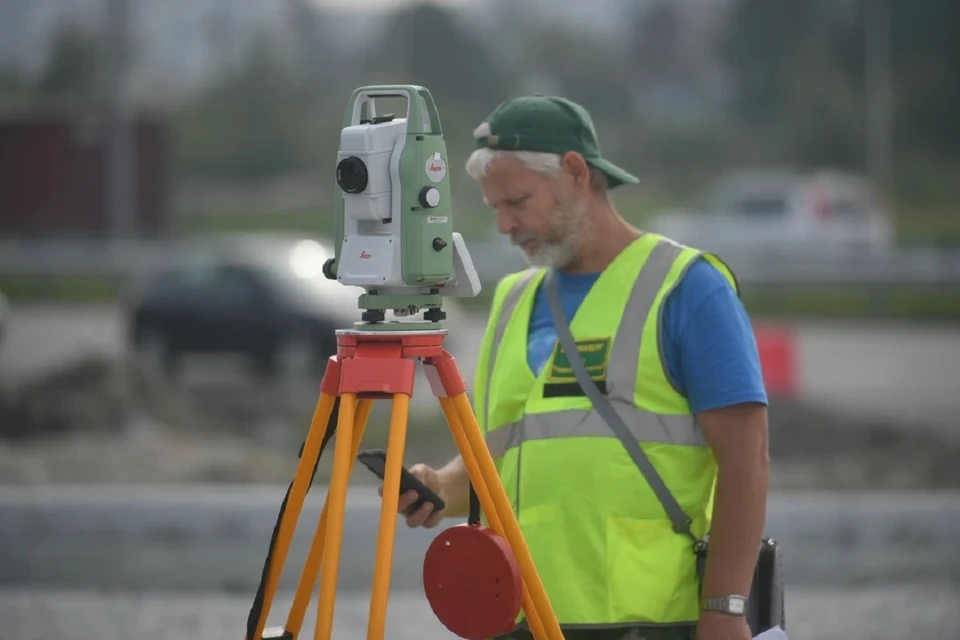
(735, 606)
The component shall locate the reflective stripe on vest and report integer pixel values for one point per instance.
(506, 313)
(621, 379)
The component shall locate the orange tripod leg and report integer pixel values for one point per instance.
(501, 505)
(388, 516)
(311, 567)
(298, 492)
(336, 505)
(483, 494)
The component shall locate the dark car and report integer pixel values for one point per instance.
(264, 299)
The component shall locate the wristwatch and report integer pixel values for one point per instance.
(732, 605)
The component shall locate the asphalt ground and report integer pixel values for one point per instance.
(878, 612)
(166, 563)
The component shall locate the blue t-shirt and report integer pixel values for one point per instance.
(708, 342)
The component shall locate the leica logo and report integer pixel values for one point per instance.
(365, 256)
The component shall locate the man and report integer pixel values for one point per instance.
(678, 359)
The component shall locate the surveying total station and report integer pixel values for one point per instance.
(395, 239)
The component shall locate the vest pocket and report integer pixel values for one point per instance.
(645, 571)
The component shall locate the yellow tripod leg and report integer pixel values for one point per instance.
(311, 568)
(336, 505)
(501, 504)
(298, 492)
(388, 516)
(483, 494)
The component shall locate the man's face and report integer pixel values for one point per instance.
(540, 214)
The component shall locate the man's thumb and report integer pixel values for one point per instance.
(421, 472)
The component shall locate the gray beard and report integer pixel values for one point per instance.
(569, 231)
(554, 255)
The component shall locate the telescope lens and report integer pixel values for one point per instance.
(352, 175)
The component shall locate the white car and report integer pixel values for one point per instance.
(783, 210)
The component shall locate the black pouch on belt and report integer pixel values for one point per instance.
(765, 608)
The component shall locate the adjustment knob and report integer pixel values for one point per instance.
(328, 269)
(429, 197)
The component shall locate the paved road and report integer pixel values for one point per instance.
(164, 564)
(873, 370)
(215, 538)
(875, 612)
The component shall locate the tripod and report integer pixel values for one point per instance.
(373, 365)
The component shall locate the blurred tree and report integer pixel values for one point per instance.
(15, 90)
(584, 69)
(70, 79)
(823, 117)
(248, 125)
(800, 65)
(926, 59)
(655, 47)
(676, 77)
(761, 40)
(313, 58)
(222, 37)
(423, 43)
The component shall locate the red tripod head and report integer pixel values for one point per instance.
(473, 582)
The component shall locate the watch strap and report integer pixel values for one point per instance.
(734, 605)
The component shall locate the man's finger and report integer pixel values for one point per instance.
(421, 515)
(433, 520)
(406, 501)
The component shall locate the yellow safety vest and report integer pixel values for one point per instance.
(602, 543)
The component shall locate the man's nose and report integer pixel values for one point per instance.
(505, 221)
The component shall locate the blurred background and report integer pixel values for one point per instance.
(166, 174)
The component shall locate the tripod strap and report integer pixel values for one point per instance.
(256, 609)
(681, 522)
(474, 518)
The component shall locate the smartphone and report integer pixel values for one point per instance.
(376, 461)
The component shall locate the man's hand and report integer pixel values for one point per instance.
(715, 625)
(425, 516)
(450, 482)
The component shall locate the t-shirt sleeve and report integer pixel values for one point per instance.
(709, 345)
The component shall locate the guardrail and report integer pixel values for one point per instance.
(753, 266)
(889, 267)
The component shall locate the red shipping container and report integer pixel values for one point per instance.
(54, 177)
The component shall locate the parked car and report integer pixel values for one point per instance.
(783, 210)
(262, 298)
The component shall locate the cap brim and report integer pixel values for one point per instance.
(615, 175)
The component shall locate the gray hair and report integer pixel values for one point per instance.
(547, 164)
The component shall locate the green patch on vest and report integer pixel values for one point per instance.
(562, 382)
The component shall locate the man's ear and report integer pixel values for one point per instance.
(577, 169)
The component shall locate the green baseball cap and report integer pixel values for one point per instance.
(550, 124)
